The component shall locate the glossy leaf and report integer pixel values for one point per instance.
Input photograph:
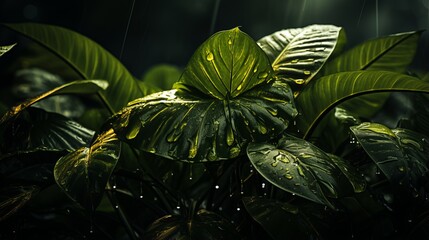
(13, 198)
(400, 154)
(83, 174)
(298, 54)
(87, 58)
(35, 128)
(228, 64)
(76, 87)
(204, 225)
(327, 92)
(298, 167)
(391, 53)
(162, 76)
(5, 49)
(178, 125)
(270, 213)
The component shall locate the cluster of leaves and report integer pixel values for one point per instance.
(255, 140)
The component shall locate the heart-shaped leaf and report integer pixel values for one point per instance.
(83, 174)
(181, 126)
(298, 167)
(298, 54)
(88, 59)
(5, 49)
(401, 154)
(322, 95)
(226, 65)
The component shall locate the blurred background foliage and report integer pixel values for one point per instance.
(167, 31)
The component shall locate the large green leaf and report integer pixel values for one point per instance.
(204, 225)
(226, 65)
(35, 129)
(83, 174)
(76, 87)
(327, 92)
(178, 125)
(298, 54)
(280, 219)
(391, 53)
(5, 49)
(88, 59)
(401, 154)
(299, 167)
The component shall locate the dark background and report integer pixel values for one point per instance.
(167, 31)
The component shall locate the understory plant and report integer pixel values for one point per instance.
(287, 137)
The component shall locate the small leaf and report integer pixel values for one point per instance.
(322, 95)
(204, 225)
(83, 174)
(76, 87)
(298, 167)
(298, 54)
(269, 213)
(162, 76)
(5, 49)
(400, 154)
(227, 64)
(14, 198)
(178, 125)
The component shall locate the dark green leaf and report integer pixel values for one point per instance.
(83, 174)
(13, 198)
(298, 54)
(325, 93)
(76, 87)
(280, 219)
(181, 126)
(35, 128)
(354, 177)
(89, 59)
(401, 154)
(204, 225)
(297, 166)
(162, 76)
(228, 64)
(5, 49)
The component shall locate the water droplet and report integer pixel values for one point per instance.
(238, 209)
(255, 70)
(152, 150)
(288, 176)
(401, 168)
(306, 72)
(262, 75)
(178, 207)
(116, 206)
(229, 41)
(114, 186)
(297, 184)
(217, 187)
(275, 163)
(263, 185)
(141, 196)
(239, 87)
(299, 81)
(209, 57)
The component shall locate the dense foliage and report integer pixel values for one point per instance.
(288, 137)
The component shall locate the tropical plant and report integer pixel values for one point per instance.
(285, 137)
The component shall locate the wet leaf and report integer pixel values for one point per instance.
(5, 49)
(297, 54)
(322, 95)
(179, 125)
(228, 64)
(13, 198)
(400, 154)
(35, 128)
(83, 174)
(270, 213)
(298, 167)
(204, 225)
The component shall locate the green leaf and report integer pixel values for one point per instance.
(327, 92)
(298, 54)
(204, 225)
(76, 87)
(162, 76)
(87, 58)
(298, 167)
(83, 174)
(13, 198)
(391, 53)
(5, 49)
(270, 213)
(354, 177)
(35, 128)
(227, 64)
(178, 125)
(400, 154)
